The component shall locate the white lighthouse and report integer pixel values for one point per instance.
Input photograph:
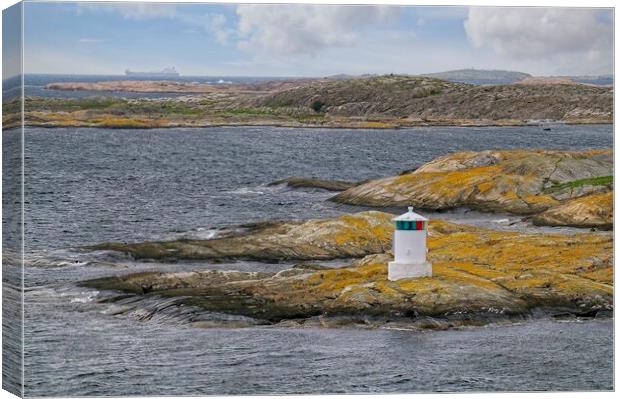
(409, 247)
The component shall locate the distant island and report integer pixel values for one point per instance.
(386, 101)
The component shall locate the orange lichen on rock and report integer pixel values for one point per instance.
(594, 210)
(478, 275)
(514, 181)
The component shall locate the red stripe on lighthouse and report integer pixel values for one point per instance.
(418, 226)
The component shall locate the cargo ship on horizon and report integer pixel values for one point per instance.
(164, 73)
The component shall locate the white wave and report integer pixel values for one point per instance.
(85, 299)
(72, 263)
(79, 296)
(205, 234)
(200, 233)
(245, 191)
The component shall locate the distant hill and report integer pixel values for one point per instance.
(480, 76)
(431, 98)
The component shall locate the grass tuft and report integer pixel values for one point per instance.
(592, 181)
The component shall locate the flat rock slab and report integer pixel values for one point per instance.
(347, 236)
(307, 182)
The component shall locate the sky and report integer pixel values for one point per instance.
(313, 40)
(11, 41)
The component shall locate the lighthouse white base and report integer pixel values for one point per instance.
(397, 270)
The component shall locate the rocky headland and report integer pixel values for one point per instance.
(310, 182)
(348, 236)
(388, 101)
(557, 188)
(479, 276)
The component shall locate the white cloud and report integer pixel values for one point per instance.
(210, 22)
(539, 31)
(217, 25)
(305, 29)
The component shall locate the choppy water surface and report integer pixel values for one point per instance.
(90, 185)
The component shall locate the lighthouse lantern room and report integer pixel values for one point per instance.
(409, 247)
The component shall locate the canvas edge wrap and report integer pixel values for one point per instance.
(13, 206)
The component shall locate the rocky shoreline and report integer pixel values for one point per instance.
(479, 276)
(49, 120)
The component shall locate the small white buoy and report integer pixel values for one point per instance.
(409, 247)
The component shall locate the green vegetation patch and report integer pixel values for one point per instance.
(114, 106)
(12, 106)
(591, 181)
(317, 105)
(74, 104)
